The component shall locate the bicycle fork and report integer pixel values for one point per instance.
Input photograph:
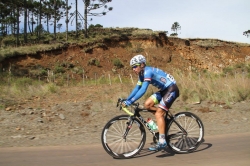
(129, 126)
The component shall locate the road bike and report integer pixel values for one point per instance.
(124, 136)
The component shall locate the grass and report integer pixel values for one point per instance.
(24, 88)
(207, 42)
(46, 43)
(194, 87)
(197, 87)
(9, 51)
(97, 38)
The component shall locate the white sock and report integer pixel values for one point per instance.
(162, 139)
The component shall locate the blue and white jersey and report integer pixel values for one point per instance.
(156, 77)
(150, 75)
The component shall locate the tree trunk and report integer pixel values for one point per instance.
(12, 25)
(17, 27)
(40, 18)
(76, 19)
(25, 22)
(54, 19)
(32, 25)
(85, 18)
(28, 18)
(67, 20)
(47, 23)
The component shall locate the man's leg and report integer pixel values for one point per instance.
(149, 104)
(159, 115)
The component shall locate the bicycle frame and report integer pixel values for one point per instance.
(141, 119)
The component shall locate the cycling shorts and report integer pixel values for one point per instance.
(166, 97)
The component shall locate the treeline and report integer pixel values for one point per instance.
(31, 14)
(36, 16)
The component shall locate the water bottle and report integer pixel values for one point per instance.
(152, 124)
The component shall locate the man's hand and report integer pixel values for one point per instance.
(126, 103)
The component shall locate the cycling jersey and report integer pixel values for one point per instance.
(150, 75)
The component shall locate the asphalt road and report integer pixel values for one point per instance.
(221, 150)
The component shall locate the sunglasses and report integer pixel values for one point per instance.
(135, 66)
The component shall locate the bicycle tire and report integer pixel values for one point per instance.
(113, 141)
(189, 142)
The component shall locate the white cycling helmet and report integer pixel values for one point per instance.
(138, 59)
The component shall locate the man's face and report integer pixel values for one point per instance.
(137, 68)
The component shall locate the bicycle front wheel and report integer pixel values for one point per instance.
(185, 141)
(120, 145)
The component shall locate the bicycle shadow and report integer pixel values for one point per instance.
(171, 153)
(144, 152)
(167, 152)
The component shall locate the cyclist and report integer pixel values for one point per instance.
(168, 92)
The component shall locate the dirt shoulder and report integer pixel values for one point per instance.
(76, 116)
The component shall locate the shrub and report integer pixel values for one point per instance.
(137, 48)
(52, 88)
(59, 69)
(94, 62)
(43, 72)
(243, 93)
(228, 70)
(117, 63)
(22, 82)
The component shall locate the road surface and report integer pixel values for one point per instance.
(221, 150)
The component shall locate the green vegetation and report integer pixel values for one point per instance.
(246, 33)
(175, 27)
(97, 39)
(10, 51)
(194, 87)
(232, 85)
(94, 62)
(22, 87)
(223, 87)
(211, 43)
(59, 69)
(117, 62)
(35, 23)
(137, 48)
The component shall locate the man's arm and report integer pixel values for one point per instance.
(139, 93)
(135, 90)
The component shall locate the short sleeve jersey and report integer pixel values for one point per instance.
(156, 77)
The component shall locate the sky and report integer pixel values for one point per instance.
(215, 19)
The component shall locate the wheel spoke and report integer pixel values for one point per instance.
(189, 141)
(115, 143)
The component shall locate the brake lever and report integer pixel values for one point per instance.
(119, 103)
(119, 100)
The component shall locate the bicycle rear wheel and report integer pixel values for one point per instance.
(181, 142)
(119, 146)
